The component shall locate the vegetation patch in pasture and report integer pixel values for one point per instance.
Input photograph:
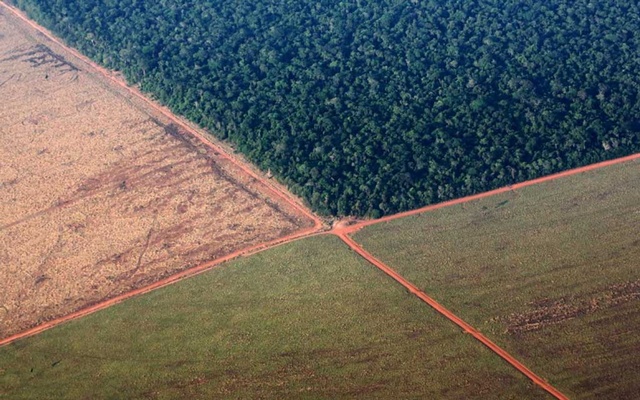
(309, 319)
(99, 194)
(549, 272)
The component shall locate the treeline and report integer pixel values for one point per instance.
(369, 107)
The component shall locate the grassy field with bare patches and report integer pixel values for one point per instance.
(550, 272)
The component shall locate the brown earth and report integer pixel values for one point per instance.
(547, 311)
(100, 194)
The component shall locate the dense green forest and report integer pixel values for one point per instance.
(368, 107)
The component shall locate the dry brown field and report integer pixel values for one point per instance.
(100, 194)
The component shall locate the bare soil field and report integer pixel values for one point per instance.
(99, 194)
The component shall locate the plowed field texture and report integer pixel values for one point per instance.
(550, 272)
(306, 320)
(99, 195)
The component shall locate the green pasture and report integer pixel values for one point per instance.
(305, 320)
(551, 272)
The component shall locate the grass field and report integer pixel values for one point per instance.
(550, 272)
(308, 319)
(100, 194)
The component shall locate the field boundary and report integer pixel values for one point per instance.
(341, 229)
(272, 191)
(452, 317)
(101, 305)
(353, 226)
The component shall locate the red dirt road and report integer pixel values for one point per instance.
(452, 317)
(345, 229)
(341, 231)
(161, 283)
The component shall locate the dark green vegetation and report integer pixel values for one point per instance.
(370, 107)
(305, 320)
(551, 273)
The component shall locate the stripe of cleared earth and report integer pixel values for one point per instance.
(452, 317)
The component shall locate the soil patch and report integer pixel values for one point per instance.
(555, 311)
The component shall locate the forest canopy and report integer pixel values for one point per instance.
(369, 107)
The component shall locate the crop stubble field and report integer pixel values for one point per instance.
(309, 319)
(549, 272)
(99, 194)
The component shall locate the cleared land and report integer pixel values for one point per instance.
(99, 194)
(549, 272)
(309, 319)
